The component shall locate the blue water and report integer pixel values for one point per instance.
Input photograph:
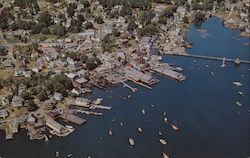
(211, 125)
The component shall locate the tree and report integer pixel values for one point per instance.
(42, 95)
(108, 42)
(46, 31)
(185, 19)
(146, 16)
(88, 25)
(90, 64)
(3, 51)
(116, 32)
(167, 13)
(85, 3)
(45, 19)
(35, 29)
(132, 25)
(148, 30)
(59, 30)
(98, 19)
(198, 18)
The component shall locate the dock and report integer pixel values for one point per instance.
(223, 59)
(73, 118)
(128, 86)
(100, 107)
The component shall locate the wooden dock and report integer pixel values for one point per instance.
(223, 59)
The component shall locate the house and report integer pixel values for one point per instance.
(81, 80)
(70, 75)
(79, 101)
(21, 88)
(58, 96)
(3, 114)
(4, 101)
(17, 101)
(8, 63)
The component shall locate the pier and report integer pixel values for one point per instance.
(223, 59)
(128, 86)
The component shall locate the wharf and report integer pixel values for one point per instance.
(214, 58)
(128, 86)
(73, 118)
(100, 107)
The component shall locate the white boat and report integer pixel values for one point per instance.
(241, 93)
(121, 123)
(69, 155)
(143, 112)
(160, 133)
(57, 153)
(139, 129)
(165, 155)
(46, 139)
(237, 83)
(165, 120)
(131, 141)
(110, 133)
(174, 127)
(162, 141)
(238, 103)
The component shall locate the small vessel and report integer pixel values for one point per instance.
(212, 73)
(152, 105)
(237, 61)
(69, 155)
(57, 153)
(165, 120)
(131, 141)
(160, 133)
(173, 125)
(143, 112)
(238, 103)
(46, 139)
(241, 93)
(121, 123)
(236, 83)
(139, 129)
(179, 69)
(165, 155)
(162, 141)
(110, 133)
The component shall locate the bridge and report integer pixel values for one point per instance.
(223, 59)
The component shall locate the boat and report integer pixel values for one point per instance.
(46, 139)
(160, 133)
(173, 125)
(143, 112)
(121, 123)
(69, 155)
(237, 61)
(162, 141)
(110, 133)
(212, 73)
(237, 83)
(238, 103)
(165, 155)
(131, 141)
(165, 120)
(241, 93)
(57, 153)
(139, 129)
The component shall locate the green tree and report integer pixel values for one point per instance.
(59, 30)
(132, 25)
(88, 25)
(45, 19)
(98, 19)
(35, 29)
